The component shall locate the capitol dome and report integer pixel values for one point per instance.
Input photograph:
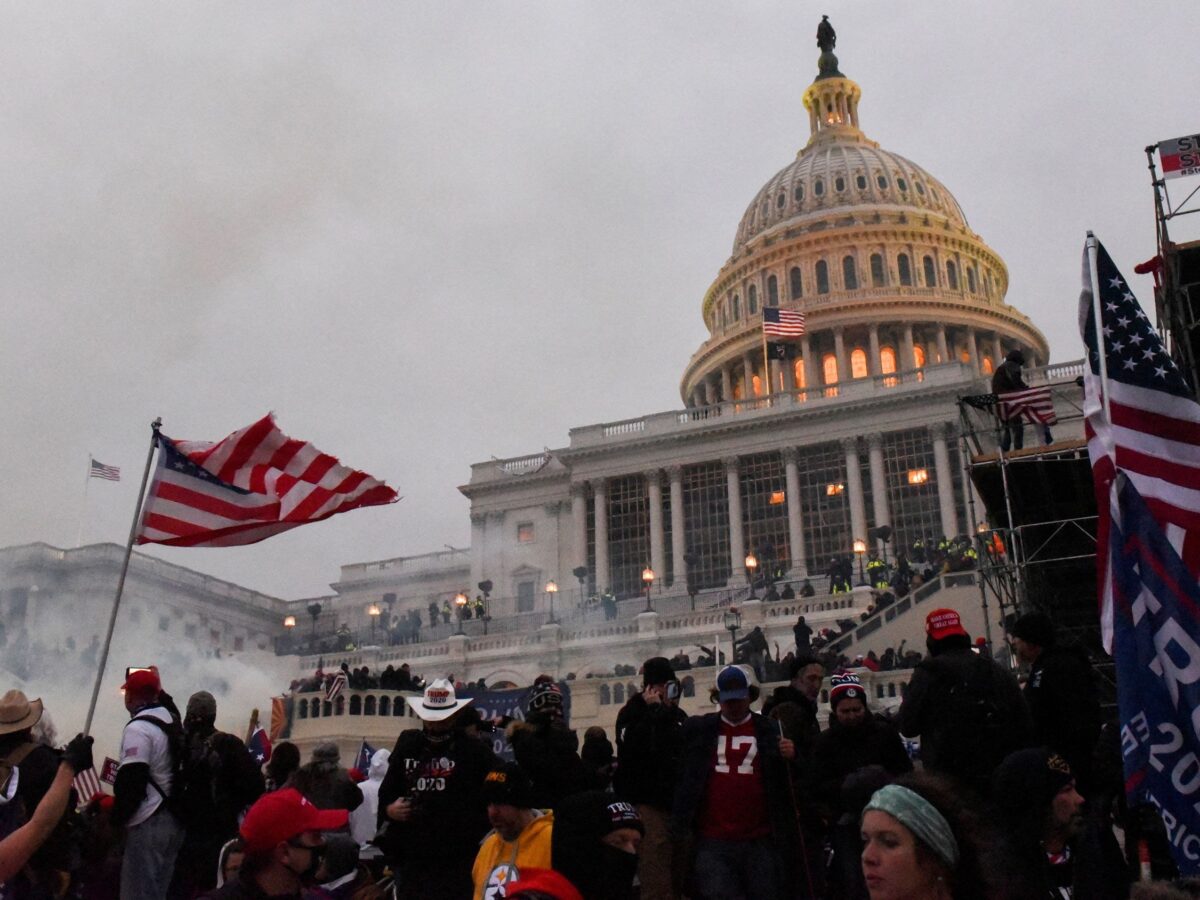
(873, 250)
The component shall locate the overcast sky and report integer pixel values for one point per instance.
(425, 234)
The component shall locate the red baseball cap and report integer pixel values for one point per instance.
(283, 814)
(543, 881)
(943, 623)
(142, 681)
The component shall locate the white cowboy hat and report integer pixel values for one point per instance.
(439, 702)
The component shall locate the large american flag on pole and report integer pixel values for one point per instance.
(782, 323)
(247, 487)
(1154, 435)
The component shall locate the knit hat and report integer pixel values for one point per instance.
(944, 623)
(508, 784)
(1029, 778)
(542, 883)
(597, 813)
(657, 670)
(1035, 628)
(545, 697)
(845, 686)
(732, 684)
(326, 752)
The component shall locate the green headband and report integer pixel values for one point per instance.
(920, 817)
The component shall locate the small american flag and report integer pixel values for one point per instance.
(87, 785)
(782, 323)
(1032, 404)
(1154, 435)
(255, 483)
(335, 687)
(100, 470)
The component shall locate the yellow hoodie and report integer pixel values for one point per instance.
(499, 862)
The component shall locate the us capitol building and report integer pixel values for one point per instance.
(791, 460)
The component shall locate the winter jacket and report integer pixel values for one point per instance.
(649, 747)
(547, 754)
(842, 749)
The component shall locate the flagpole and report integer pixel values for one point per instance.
(87, 480)
(1097, 319)
(112, 619)
(766, 376)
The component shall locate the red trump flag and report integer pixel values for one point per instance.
(247, 487)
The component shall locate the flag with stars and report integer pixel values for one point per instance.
(1154, 435)
(260, 746)
(253, 484)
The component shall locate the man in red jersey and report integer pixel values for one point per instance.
(734, 799)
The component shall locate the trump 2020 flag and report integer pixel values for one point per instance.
(253, 484)
(1156, 623)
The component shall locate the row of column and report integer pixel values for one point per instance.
(737, 548)
(937, 345)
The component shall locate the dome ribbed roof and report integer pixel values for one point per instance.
(843, 174)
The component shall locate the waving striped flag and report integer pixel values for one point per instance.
(782, 323)
(1154, 434)
(1032, 404)
(100, 470)
(253, 484)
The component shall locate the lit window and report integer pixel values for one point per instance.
(801, 378)
(829, 364)
(887, 360)
(988, 367)
(525, 533)
(964, 355)
(918, 476)
(757, 382)
(919, 356)
(832, 490)
(858, 363)
(777, 498)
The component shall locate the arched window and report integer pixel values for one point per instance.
(951, 275)
(798, 193)
(876, 270)
(822, 277)
(905, 270)
(988, 366)
(971, 279)
(849, 273)
(858, 363)
(861, 181)
(689, 686)
(839, 184)
(752, 300)
(356, 705)
(818, 187)
(327, 709)
(887, 360)
(385, 705)
(930, 275)
(369, 705)
(798, 369)
(829, 365)
(398, 707)
(315, 706)
(618, 693)
(304, 709)
(340, 706)
(606, 694)
(919, 356)
(736, 308)
(756, 385)
(772, 291)
(780, 200)
(797, 283)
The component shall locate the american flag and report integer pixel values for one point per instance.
(253, 484)
(86, 784)
(259, 746)
(100, 470)
(363, 761)
(336, 686)
(1032, 404)
(782, 323)
(1154, 435)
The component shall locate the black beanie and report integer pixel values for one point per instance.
(510, 785)
(657, 670)
(1035, 628)
(1028, 780)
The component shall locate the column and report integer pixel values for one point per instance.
(709, 399)
(839, 353)
(812, 378)
(478, 546)
(658, 561)
(873, 349)
(791, 471)
(678, 534)
(579, 524)
(748, 376)
(858, 505)
(600, 490)
(997, 350)
(879, 492)
(737, 546)
(726, 386)
(908, 349)
(945, 479)
(942, 349)
(788, 366)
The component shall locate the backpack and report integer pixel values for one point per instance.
(974, 734)
(177, 752)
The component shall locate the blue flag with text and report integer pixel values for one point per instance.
(1156, 603)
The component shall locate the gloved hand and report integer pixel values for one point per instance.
(78, 753)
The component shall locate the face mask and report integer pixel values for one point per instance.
(308, 876)
(614, 871)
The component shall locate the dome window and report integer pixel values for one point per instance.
(920, 188)
(822, 277)
(918, 356)
(902, 184)
(798, 373)
(780, 200)
(736, 307)
(988, 366)
(971, 279)
(797, 283)
(887, 360)
(798, 193)
(861, 181)
(951, 276)
(849, 274)
(819, 187)
(839, 184)
(881, 180)
(877, 278)
(858, 363)
(766, 208)
(752, 300)
(772, 291)
(905, 270)
(930, 274)
(829, 365)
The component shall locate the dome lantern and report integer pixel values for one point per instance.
(832, 99)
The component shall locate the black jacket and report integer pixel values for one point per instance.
(649, 747)
(37, 772)
(1061, 693)
(1007, 378)
(841, 750)
(798, 715)
(546, 752)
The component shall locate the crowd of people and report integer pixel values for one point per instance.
(1013, 795)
